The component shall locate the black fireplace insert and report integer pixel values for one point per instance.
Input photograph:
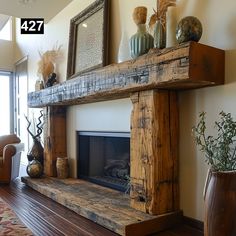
(104, 158)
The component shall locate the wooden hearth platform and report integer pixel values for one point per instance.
(104, 206)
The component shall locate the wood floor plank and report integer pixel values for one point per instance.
(28, 207)
(28, 215)
(62, 211)
(48, 218)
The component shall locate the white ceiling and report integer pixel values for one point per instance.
(46, 9)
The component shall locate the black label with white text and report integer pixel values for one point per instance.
(32, 26)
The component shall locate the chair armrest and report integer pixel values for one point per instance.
(10, 150)
(8, 139)
(20, 147)
(11, 161)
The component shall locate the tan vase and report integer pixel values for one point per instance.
(220, 204)
(62, 166)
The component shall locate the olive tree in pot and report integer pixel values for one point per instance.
(220, 187)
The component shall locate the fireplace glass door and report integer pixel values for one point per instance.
(104, 158)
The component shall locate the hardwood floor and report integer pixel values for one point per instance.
(48, 218)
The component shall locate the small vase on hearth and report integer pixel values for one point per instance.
(62, 166)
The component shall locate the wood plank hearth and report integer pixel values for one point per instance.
(104, 206)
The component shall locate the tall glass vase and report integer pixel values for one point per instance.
(159, 35)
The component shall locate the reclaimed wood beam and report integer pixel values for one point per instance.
(54, 138)
(154, 152)
(186, 66)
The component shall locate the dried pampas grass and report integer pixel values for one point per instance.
(160, 12)
(48, 59)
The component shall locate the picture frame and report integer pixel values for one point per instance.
(88, 39)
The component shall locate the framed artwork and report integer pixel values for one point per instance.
(88, 39)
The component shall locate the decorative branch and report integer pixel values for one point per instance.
(39, 126)
(29, 124)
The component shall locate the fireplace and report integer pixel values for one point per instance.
(104, 158)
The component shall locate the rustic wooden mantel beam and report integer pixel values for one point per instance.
(186, 66)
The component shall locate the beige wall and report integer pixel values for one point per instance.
(7, 55)
(218, 19)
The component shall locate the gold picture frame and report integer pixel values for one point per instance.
(88, 39)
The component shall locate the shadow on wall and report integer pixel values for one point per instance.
(230, 55)
(194, 8)
(187, 154)
(231, 29)
(230, 68)
(115, 30)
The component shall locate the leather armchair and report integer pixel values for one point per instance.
(10, 154)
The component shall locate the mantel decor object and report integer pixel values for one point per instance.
(189, 29)
(34, 169)
(142, 41)
(36, 152)
(88, 39)
(62, 166)
(47, 63)
(39, 84)
(220, 187)
(158, 22)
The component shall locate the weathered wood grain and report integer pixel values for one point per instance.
(54, 137)
(154, 152)
(104, 206)
(186, 66)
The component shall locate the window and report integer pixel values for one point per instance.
(5, 103)
(6, 31)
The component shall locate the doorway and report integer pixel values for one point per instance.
(6, 101)
(20, 105)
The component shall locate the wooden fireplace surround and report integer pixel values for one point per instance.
(152, 81)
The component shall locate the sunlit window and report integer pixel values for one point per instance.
(5, 104)
(6, 32)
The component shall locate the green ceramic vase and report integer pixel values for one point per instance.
(141, 42)
(159, 35)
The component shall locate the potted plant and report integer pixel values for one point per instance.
(220, 187)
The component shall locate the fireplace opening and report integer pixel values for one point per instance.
(104, 158)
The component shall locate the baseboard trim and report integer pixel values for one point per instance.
(197, 224)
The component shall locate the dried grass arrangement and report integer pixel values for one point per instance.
(160, 12)
(48, 59)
